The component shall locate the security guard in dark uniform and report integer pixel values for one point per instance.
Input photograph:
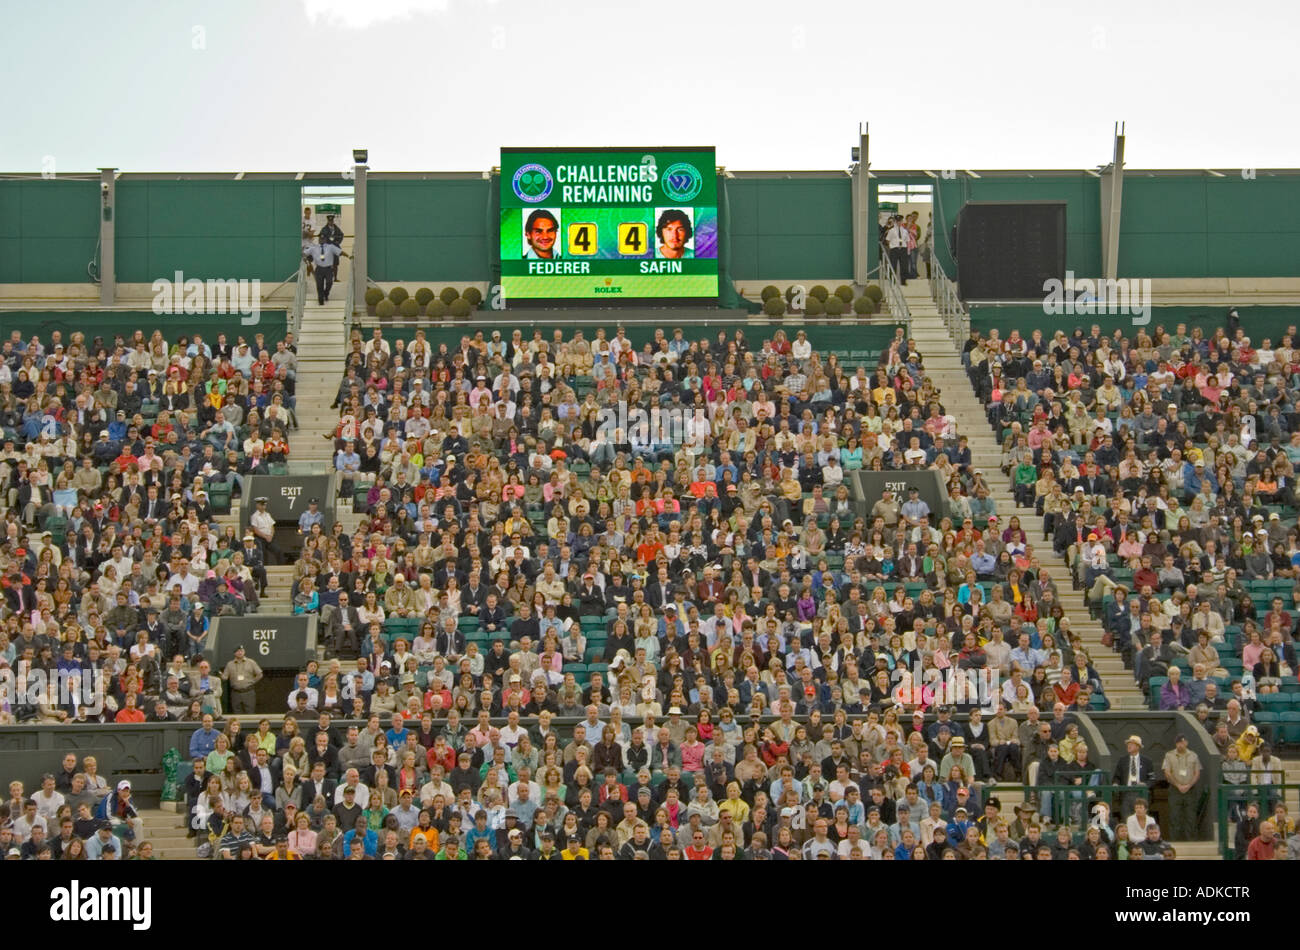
(333, 234)
(254, 562)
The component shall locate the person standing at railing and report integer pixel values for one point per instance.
(898, 238)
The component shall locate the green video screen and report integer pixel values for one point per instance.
(609, 224)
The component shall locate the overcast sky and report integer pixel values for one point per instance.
(272, 85)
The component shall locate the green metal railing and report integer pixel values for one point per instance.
(299, 300)
(954, 313)
(1232, 801)
(893, 292)
(1071, 804)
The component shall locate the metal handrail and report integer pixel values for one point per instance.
(299, 298)
(893, 291)
(349, 309)
(956, 317)
(1237, 797)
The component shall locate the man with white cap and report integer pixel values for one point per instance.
(119, 810)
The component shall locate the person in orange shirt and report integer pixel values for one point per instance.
(282, 852)
(430, 834)
(129, 712)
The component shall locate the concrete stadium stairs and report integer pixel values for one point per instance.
(943, 365)
(165, 828)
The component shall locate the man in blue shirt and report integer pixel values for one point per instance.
(204, 740)
(981, 562)
(914, 509)
(1026, 656)
(310, 517)
(348, 463)
(397, 734)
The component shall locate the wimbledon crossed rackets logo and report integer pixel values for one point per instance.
(532, 183)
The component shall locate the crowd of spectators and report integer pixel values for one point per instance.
(75, 815)
(728, 626)
(111, 558)
(744, 646)
(1163, 463)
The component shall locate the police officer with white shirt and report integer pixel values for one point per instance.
(263, 525)
(897, 238)
(324, 258)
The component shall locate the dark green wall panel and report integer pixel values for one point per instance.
(787, 227)
(430, 230)
(50, 230)
(207, 229)
(1204, 226)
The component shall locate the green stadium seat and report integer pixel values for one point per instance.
(1154, 685)
(1289, 729)
(1275, 702)
(219, 496)
(1267, 723)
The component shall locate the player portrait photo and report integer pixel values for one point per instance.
(675, 233)
(542, 235)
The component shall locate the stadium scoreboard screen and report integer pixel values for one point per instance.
(609, 224)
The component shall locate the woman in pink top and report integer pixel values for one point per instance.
(1251, 651)
(692, 750)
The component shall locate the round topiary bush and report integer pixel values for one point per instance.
(845, 293)
(770, 291)
(436, 309)
(423, 296)
(864, 306)
(397, 295)
(459, 308)
(449, 294)
(834, 306)
(385, 309)
(409, 308)
(774, 306)
(373, 296)
(813, 307)
(820, 292)
(875, 293)
(473, 295)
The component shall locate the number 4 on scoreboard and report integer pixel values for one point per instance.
(631, 238)
(582, 239)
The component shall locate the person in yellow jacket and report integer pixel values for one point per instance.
(1248, 744)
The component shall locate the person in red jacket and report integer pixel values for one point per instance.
(773, 748)
(129, 712)
(699, 850)
(1262, 847)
